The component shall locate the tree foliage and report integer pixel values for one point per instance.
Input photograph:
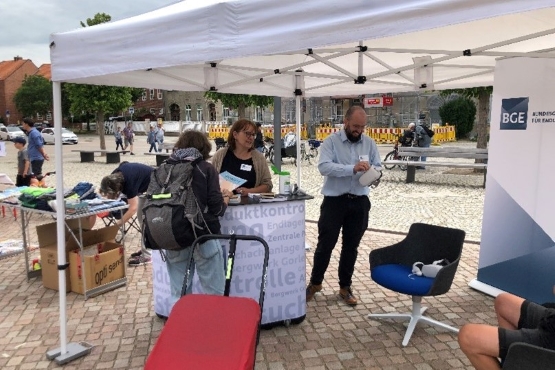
(461, 113)
(239, 101)
(483, 94)
(34, 96)
(97, 19)
(100, 100)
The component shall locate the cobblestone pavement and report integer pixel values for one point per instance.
(122, 326)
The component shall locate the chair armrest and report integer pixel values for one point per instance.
(444, 279)
(528, 356)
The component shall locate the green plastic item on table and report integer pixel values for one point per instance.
(276, 172)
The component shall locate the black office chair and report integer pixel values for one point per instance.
(391, 267)
(524, 356)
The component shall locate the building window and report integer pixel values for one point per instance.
(159, 94)
(225, 112)
(259, 114)
(151, 94)
(161, 113)
(200, 116)
(39, 117)
(174, 112)
(152, 110)
(188, 116)
(143, 97)
(49, 116)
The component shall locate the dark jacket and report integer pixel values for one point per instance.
(206, 186)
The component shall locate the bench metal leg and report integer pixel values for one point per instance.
(161, 158)
(112, 157)
(411, 172)
(87, 156)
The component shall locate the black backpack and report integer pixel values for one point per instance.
(172, 218)
(429, 132)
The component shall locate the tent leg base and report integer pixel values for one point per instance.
(74, 351)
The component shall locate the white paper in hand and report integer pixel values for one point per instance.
(230, 182)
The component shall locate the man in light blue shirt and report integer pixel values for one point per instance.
(344, 157)
(35, 147)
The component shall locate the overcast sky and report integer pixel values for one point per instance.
(26, 25)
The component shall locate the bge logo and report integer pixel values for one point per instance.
(514, 113)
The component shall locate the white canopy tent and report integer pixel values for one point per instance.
(298, 48)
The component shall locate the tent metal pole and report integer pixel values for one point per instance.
(277, 132)
(298, 134)
(383, 64)
(71, 351)
(360, 59)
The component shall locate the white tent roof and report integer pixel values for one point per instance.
(171, 48)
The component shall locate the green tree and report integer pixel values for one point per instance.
(97, 19)
(483, 94)
(99, 99)
(239, 101)
(461, 113)
(34, 96)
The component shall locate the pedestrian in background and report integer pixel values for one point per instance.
(258, 139)
(344, 157)
(151, 139)
(423, 140)
(117, 136)
(159, 136)
(24, 173)
(128, 137)
(35, 147)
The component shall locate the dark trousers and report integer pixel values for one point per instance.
(22, 181)
(152, 146)
(351, 214)
(119, 144)
(36, 167)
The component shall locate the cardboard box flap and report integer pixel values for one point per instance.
(93, 237)
(48, 234)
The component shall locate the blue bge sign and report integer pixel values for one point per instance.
(514, 113)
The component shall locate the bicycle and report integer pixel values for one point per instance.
(40, 180)
(394, 155)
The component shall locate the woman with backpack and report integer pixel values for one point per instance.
(207, 257)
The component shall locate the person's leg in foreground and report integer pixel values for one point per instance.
(481, 343)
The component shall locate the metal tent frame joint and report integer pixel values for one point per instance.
(63, 267)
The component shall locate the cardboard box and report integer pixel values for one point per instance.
(48, 238)
(101, 265)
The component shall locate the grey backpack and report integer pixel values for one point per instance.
(172, 218)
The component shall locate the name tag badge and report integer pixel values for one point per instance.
(363, 158)
(246, 167)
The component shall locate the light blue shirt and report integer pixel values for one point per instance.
(34, 144)
(338, 157)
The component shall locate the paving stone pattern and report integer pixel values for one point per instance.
(123, 328)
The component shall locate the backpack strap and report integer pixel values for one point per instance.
(167, 181)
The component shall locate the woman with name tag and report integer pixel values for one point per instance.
(240, 159)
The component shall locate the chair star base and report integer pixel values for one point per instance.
(415, 316)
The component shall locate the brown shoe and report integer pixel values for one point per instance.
(347, 295)
(312, 289)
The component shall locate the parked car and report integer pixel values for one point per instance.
(9, 133)
(68, 137)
